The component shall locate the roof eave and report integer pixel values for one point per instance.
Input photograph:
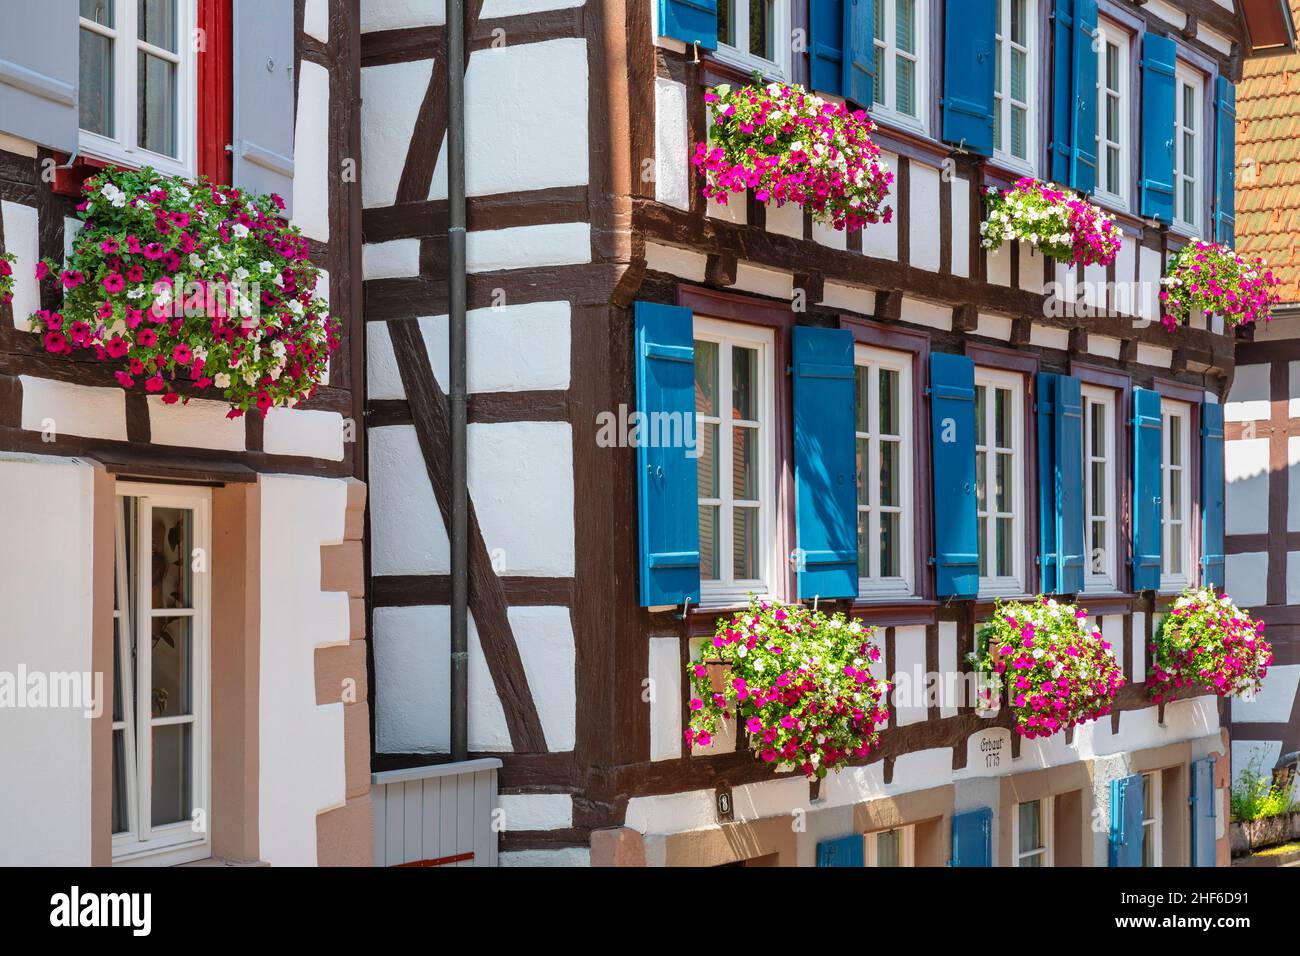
(1274, 32)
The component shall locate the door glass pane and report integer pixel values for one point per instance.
(95, 99)
(173, 759)
(157, 104)
(121, 819)
(745, 543)
(709, 542)
(172, 535)
(706, 378)
(744, 380)
(173, 666)
(888, 847)
(157, 23)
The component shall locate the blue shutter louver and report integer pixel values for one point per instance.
(1127, 803)
(825, 486)
(970, 27)
(972, 838)
(1147, 454)
(1046, 482)
(952, 422)
(691, 21)
(1225, 213)
(826, 40)
(844, 851)
(1159, 61)
(1202, 802)
(1062, 89)
(859, 65)
(668, 530)
(1212, 491)
(1068, 421)
(1083, 139)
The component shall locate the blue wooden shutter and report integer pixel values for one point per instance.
(1068, 421)
(1046, 481)
(1203, 809)
(691, 21)
(826, 36)
(1062, 89)
(1212, 560)
(825, 486)
(1225, 213)
(1159, 59)
(859, 82)
(1127, 802)
(1147, 453)
(969, 71)
(844, 851)
(668, 529)
(952, 422)
(1083, 139)
(972, 838)
(39, 73)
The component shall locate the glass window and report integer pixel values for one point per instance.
(900, 82)
(891, 848)
(1175, 495)
(1151, 820)
(1014, 116)
(1188, 148)
(755, 33)
(883, 410)
(1099, 488)
(1113, 113)
(999, 438)
(1033, 833)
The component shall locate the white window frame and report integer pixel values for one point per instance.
(1153, 825)
(874, 585)
(1002, 101)
(1185, 75)
(174, 842)
(1014, 584)
(122, 147)
(728, 590)
(776, 69)
(1170, 408)
(1111, 35)
(888, 45)
(906, 847)
(1100, 575)
(1044, 826)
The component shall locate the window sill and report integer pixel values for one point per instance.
(728, 66)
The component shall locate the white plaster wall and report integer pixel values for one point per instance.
(960, 226)
(909, 675)
(786, 220)
(544, 636)
(927, 313)
(948, 664)
(750, 278)
(1154, 355)
(569, 856)
(835, 295)
(22, 239)
(307, 432)
(675, 261)
(395, 14)
(999, 264)
(1247, 578)
(1275, 702)
(880, 239)
(63, 408)
(315, 19)
(200, 424)
(672, 149)
(1248, 398)
(311, 173)
(300, 744)
(665, 701)
(519, 247)
(536, 811)
(395, 259)
(392, 94)
(924, 213)
(45, 625)
(1031, 268)
(1293, 483)
(407, 534)
(1245, 467)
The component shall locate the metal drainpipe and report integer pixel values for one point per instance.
(457, 396)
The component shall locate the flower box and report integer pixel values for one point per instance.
(1205, 278)
(1053, 220)
(1206, 641)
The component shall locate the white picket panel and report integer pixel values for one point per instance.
(436, 813)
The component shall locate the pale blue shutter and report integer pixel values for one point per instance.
(263, 99)
(1068, 421)
(826, 39)
(1212, 551)
(668, 529)
(1062, 89)
(1147, 454)
(1046, 429)
(39, 72)
(1225, 213)
(860, 51)
(1204, 828)
(970, 27)
(825, 487)
(691, 21)
(1159, 61)
(952, 422)
(844, 851)
(1083, 153)
(972, 838)
(1127, 802)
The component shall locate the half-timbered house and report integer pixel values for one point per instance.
(231, 724)
(602, 284)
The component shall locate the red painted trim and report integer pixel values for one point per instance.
(438, 861)
(215, 89)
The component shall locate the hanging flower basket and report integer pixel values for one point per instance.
(799, 683)
(6, 276)
(790, 145)
(1207, 641)
(1056, 669)
(171, 280)
(1217, 280)
(1053, 220)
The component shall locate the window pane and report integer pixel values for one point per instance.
(1002, 483)
(157, 22)
(1034, 861)
(1098, 547)
(726, 22)
(760, 29)
(864, 487)
(1098, 503)
(1148, 798)
(1175, 549)
(1018, 23)
(1175, 425)
(889, 473)
(121, 819)
(888, 402)
(864, 544)
(1149, 845)
(101, 11)
(117, 669)
(878, 81)
(981, 400)
(1189, 201)
(1019, 119)
(172, 536)
(984, 546)
(744, 468)
(889, 545)
(887, 848)
(708, 463)
(1112, 170)
(905, 87)
(95, 100)
(981, 476)
(173, 666)
(1002, 417)
(744, 380)
(1031, 834)
(172, 770)
(709, 542)
(1189, 106)
(706, 378)
(1019, 75)
(1112, 66)
(862, 399)
(157, 104)
(1097, 429)
(745, 543)
(1175, 496)
(1005, 566)
(1112, 119)
(879, 19)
